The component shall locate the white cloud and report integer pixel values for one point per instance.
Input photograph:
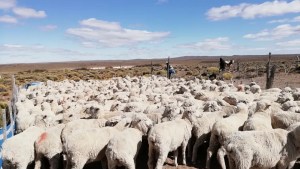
(48, 27)
(8, 19)
(291, 43)
(278, 32)
(100, 24)
(286, 20)
(28, 12)
(251, 11)
(7, 4)
(17, 53)
(279, 21)
(296, 19)
(220, 43)
(111, 34)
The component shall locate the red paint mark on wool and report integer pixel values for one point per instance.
(42, 137)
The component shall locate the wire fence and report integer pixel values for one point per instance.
(9, 127)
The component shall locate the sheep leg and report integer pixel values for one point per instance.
(213, 147)
(104, 163)
(282, 164)
(111, 164)
(175, 157)
(54, 162)
(151, 155)
(163, 154)
(68, 163)
(183, 146)
(38, 162)
(79, 163)
(231, 162)
(22, 165)
(221, 157)
(197, 144)
(291, 164)
(130, 164)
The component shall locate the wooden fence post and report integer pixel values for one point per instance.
(270, 73)
(298, 62)
(151, 68)
(168, 68)
(12, 122)
(4, 123)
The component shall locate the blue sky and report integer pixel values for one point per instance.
(65, 30)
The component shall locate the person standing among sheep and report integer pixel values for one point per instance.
(170, 70)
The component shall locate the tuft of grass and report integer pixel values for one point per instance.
(213, 70)
(227, 76)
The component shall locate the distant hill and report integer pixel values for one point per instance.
(177, 60)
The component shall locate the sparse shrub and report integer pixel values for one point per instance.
(227, 76)
(3, 88)
(39, 70)
(189, 73)
(108, 67)
(211, 70)
(3, 105)
(81, 68)
(161, 72)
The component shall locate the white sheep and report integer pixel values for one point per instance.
(261, 118)
(284, 119)
(202, 125)
(49, 145)
(83, 146)
(123, 148)
(220, 131)
(162, 139)
(18, 151)
(263, 149)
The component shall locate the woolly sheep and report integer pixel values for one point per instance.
(267, 149)
(18, 151)
(284, 119)
(84, 146)
(202, 126)
(261, 119)
(123, 148)
(49, 145)
(162, 139)
(222, 128)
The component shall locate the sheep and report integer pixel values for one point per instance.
(260, 119)
(203, 124)
(276, 148)
(283, 97)
(221, 129)
(18, 151)
(284, 119)
(291, 106)
(123, 148)
(49, 145)
(84, 146)
(162, 139)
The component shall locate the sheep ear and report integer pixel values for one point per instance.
(267, 106)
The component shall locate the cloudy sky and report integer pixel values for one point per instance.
(69, 30)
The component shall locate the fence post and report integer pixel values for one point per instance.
(168, 68)
(4, 123)
(270, 73)
(12, 122)
(151, 68)
(298, 62)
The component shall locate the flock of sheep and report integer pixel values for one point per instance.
(106, 121)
